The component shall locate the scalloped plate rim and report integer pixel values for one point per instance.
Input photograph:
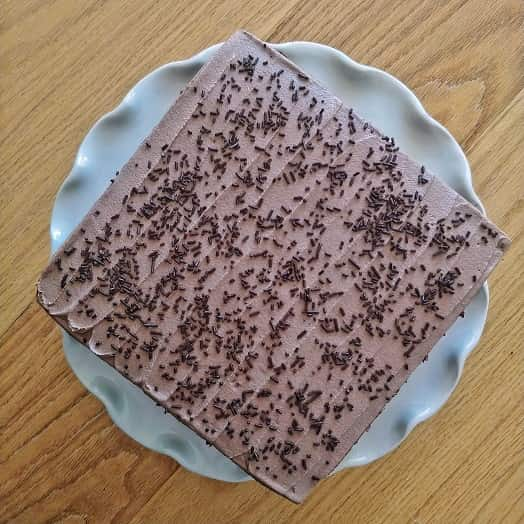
(462, 353)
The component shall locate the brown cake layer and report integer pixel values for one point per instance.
(269, 267)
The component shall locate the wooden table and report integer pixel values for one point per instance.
(65, 63)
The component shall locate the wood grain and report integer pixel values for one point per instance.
(62, 65)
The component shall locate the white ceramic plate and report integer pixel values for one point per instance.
(375, 95)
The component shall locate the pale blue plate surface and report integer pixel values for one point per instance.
(375, 95)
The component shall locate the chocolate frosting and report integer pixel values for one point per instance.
(269, 267)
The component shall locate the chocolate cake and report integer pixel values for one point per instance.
(269, 267)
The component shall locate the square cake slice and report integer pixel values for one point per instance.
(269, 267)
